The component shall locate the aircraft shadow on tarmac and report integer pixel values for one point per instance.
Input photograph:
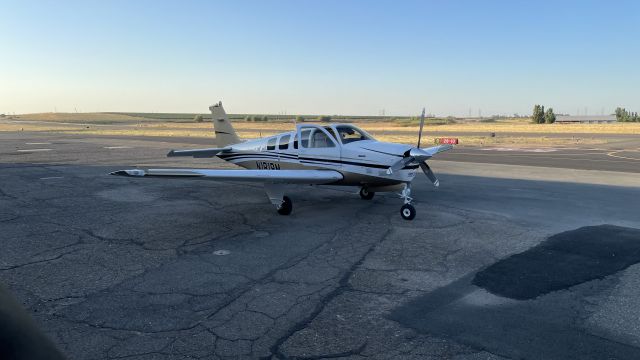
(511, 308)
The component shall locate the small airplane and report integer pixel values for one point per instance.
(313, 154)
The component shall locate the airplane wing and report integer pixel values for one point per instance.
(198, 153)
(314, 177)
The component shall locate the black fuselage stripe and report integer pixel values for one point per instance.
(227, 155)
(265, 156)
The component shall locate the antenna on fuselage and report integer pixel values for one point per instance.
(421, 125)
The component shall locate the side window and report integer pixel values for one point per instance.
(330, 131)
(319, 139)
(295, 141)
(283, 144)
(271, 144)
(304, 137)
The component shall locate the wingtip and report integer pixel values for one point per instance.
(171, 153)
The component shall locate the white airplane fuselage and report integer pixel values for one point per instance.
(362, 162)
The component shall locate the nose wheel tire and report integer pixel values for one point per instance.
(365, 194)
(285, 207)
(408, 212)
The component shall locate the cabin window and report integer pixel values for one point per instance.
(330, 131)
(304, 137)
(295, 141)
(283, 144)
(350, 134)
(271, 144)
(320, 139)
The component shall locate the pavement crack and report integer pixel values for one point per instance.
(343, 285)
(39, 261)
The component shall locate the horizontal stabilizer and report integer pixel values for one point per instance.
(197, 153)
(265, 176)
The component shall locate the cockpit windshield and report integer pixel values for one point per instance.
(349, 134)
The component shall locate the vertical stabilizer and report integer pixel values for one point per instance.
(225, 133)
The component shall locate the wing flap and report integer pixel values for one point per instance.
(265, 176)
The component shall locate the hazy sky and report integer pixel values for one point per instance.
(320, 57)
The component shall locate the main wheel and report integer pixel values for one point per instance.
(285, 207)
(408, 212)
(366, 194)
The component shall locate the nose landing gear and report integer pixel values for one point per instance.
(407, 211)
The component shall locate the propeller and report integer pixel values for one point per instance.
(427, 171)
(417, 155)
(421, 125)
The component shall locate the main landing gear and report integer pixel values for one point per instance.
(365, 194)
(407, 211)
(283, 203)
(285, 207)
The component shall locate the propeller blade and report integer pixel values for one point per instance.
(400, 164)
(421, 125)
(427, 171)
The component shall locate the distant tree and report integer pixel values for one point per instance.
(299, 118)
(198, 118)
(538, 114)
(549, 116)
(620, 114)
(265, 118)
(247, 118)
(324, 118)
(623, 115)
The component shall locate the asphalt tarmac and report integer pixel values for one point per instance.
(113, 267)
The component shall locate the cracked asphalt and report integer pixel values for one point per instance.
(113, 267)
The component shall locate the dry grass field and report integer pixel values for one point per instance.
(475, 133)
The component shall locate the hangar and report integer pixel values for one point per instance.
(590, 119)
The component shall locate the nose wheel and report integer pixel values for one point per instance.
(407, 211)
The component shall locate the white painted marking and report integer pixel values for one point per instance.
(613, 154)
(34, 150)
(38, 143)
(521, 149)
(222, 252)
(51, 177)
(117, 147)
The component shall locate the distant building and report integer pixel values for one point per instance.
(591, 119)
